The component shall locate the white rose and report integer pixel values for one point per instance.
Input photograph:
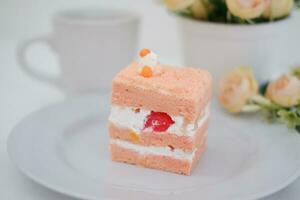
(200, 9)
(284, 91)
(247, 9)
(278, 8)
(236, 88)
(177, 5)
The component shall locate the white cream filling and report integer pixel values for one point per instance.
(150, 59)
(126, 117)
(159, 151)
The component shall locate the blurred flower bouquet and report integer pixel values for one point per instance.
(277, 100)
(233, 11)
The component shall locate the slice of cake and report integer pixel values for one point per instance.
(159, 115)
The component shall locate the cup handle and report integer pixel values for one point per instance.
(31, 71)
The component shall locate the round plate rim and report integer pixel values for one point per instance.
(44, 183)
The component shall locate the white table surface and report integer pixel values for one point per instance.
(21, 95)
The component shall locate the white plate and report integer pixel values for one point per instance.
(64, 147)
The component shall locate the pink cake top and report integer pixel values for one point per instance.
(186, 82)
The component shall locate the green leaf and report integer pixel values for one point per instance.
(273, 112)
(270, 114)
(267, 108)
(298, 128)
(250, 108)
(263, 102)
(218, 12)
(297, 2)
(263, 88)
(296, 71)
(290, 117)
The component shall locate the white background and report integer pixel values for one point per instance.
(20, 95)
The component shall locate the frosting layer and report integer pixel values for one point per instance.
(127, 117)
(153, 150)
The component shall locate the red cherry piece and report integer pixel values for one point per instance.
(158, 121)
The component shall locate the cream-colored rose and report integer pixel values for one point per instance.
(247, 9)
(236, 88)
(177, 5)
(284, 91)
(278, 8)
(200, 9)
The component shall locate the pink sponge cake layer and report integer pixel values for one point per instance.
(166, 163)
(186, 143)
(176, 91)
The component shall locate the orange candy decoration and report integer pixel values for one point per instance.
(144, 52)
(146, 72)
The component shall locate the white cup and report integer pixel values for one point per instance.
(91, 45)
